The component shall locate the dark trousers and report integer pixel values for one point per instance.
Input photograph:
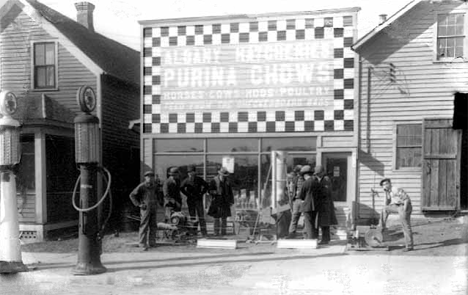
(309, 224)
(148, 226)
(325, 233)
(217, 226)
(196, 210)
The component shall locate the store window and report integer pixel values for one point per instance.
(163, 163)
(45, 65)
(408, 146)
(289, 144)
(233, 145)
(26, 176)
(451, 36)
(62, 174)
(178, 146)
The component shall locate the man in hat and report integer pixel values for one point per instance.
(295, 201)
(145, 196)
(222, 199)
(325, 207)
(308, 195)
(397, 201)
(194, 188)
(171, 191)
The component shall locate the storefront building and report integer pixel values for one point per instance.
(229, 90)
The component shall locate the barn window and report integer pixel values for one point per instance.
(45, 65)
(408, 145)
(450, 35)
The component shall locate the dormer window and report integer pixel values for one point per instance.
(45, 65)
(450, 36)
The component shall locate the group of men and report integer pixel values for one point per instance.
(309, 190)
(151, 193)
(310, 195)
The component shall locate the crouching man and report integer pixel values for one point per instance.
(397, 201)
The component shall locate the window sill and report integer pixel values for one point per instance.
(45, 89)
(450, 60)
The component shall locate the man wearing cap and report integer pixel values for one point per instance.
(296, 201)
(194, 188)
(145, 196)
(222, 199)
(325, 208)
(309, 192)
(171, 191)
(397, 201)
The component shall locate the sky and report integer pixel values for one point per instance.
(118, 19)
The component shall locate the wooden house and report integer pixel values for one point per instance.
(44, 58)
(413, 77)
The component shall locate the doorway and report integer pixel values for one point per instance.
(337, 167)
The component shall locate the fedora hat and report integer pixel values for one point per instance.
(306, 170)
(191, 169)
(223, 171)
(385, 180)
(149, 173)
(173, 171)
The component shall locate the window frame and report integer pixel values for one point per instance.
(33, 66)
(464, 57)
(395, 145)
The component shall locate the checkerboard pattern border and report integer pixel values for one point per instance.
(340, 29)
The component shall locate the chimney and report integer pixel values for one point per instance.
(382, 18)
(85, 14)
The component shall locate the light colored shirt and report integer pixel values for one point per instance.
(396, 196)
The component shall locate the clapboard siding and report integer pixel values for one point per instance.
(16, 56)
(424, 88)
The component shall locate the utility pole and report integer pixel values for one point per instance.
(10, 155)
(87, 151)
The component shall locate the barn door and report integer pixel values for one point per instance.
(441, 166)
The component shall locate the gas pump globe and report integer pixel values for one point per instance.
(10, 154)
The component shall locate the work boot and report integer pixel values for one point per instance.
(407, 249)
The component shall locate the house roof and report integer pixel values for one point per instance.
(356, 46)
(112, 57)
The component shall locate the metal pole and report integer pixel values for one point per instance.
(89, 259)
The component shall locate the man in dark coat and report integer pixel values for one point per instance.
(308, 194)
(194, 188)
(171, 190)
(325, 208)
(145, 196)
(221, 202)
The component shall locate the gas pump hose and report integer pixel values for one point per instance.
(108, 179)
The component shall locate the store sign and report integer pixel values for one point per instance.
(228, 163)
(244, 76)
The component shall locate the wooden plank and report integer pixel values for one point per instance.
(217, 244)
(452, 178)
(434, 166)
(297, 244)
(442, 183)
(440, 156)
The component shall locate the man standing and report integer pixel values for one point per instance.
(221, 202)
(145, 196)
(171, 191)
(296, 201)
(194, 188)
(308, 195)
(325, 207)
(397, 201)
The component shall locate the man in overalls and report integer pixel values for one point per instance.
(145, 196)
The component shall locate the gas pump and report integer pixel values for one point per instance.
(10, 154)
(87, 154)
